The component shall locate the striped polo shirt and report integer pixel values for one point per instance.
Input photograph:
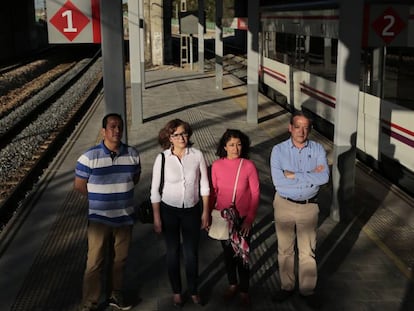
(110, 183)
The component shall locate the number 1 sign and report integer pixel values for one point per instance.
(73, 21)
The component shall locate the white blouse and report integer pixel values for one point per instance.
(184, 181)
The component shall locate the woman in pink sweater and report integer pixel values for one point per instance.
(233, 148)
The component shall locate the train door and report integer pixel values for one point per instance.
(386, 111)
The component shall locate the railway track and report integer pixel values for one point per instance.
(32, 131)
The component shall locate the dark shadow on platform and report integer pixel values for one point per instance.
(195, 105)
(172, 80)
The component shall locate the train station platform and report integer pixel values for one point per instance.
(364, 264)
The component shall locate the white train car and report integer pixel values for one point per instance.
(298, 65)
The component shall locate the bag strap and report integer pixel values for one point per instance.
(235, 183)
(161, 188)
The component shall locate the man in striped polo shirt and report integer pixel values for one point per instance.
(107, 174)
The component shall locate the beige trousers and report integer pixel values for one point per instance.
(296, 223)
(103, 239)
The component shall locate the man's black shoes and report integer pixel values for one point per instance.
(313, 301)
(282, 295)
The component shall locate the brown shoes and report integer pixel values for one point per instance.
(230, 292)
(177, 301)
(245, 299)
(197, 300)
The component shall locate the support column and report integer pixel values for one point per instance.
(327, 53)
(113, 59)
(253, 62)
(378, 57)
(135, 63)
(346, 110)
(201, 35)
(142, 40)
(219, 45)
(157, 37)
(167, 16)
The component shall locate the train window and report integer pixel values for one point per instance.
(387, 73)
(321, 57)
(313, 54)
(270, 44)
(399, 77)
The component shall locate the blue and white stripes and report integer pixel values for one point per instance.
(110, 183)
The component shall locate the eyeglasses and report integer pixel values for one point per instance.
(177, 135)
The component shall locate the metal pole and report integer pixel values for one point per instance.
(113, 59)
(219, 45)
(191, 52)
(346, 109)
(135, 63)
(253, 62)
(201, 35)
(142, 40)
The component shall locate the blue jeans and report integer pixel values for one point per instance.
(185, 222)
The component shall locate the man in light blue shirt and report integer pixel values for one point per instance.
(299, 167)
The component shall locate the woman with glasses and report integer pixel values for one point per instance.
(176, 206)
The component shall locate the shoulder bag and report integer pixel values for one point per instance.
(219, 229)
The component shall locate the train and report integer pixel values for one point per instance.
(298, 64)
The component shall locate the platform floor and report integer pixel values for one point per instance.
(364, 264)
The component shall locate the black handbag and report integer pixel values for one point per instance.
(144, 213)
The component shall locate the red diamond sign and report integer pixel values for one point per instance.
(388, 25)
(69, 20)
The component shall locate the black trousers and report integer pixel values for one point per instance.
(185, 222)
(237, 271)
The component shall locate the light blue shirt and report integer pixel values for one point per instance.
(305, 185)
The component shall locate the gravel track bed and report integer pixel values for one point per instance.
(7, 122)
(25, 145)
(19, 95)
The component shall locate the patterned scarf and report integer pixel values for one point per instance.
(238, 242)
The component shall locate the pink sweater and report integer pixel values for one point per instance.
(223, 176)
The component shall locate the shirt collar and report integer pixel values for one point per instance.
(169, 151)
(291, 145)
(122, 148)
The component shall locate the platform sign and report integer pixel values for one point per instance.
(240, 23)
(73, 21)
(386, 25)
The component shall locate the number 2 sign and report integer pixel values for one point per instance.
(73, 21)
(386, 25)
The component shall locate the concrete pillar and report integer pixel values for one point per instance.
(219, 45)
(167, 13)
(157, 32)
(201, 35)
(327, 53)
(147, 31)
(135, 63)
(377, 72)
(346, 110)
(142, 40)
(253, 62)
(113, 59)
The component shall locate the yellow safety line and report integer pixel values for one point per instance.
(394, 258)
